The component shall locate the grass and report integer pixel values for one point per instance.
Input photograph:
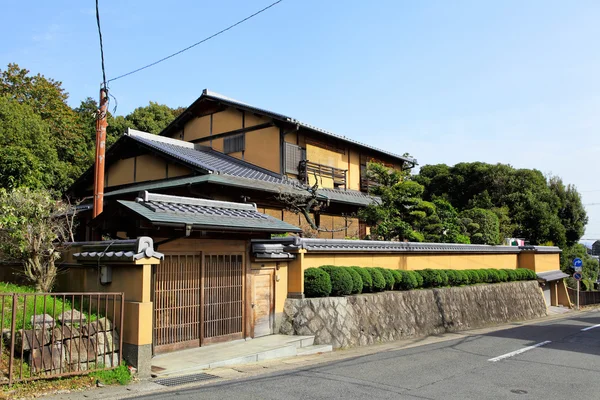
(120, 375)
(28, 305)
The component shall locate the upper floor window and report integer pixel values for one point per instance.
(234, 144)
(293, 155)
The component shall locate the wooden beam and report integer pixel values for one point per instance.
(234, 132)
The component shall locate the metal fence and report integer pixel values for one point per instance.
(586, 298)
(49, 335)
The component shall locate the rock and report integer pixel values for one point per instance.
(107, 342)
(80, 350)
(101, 325)
(42, 319)
(47, 358)
(71, 316)
(26, 340)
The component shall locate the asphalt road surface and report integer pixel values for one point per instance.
(557, 359)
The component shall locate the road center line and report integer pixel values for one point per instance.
(590, 327)
(523, 350)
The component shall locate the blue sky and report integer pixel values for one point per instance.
(507, 81)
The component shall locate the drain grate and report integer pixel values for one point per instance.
(182, 380)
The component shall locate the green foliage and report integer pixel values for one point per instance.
(503, 276)
(378, 279)
(462, 278)
(526, 203)
(472, 276)
(357, 283)
(389, 278)
(484, 276)
(152, 118)
(316, 283)
(120, 375)
(341, 280)
(511, 274)
(443, 277)
(493, 276)
(453, 277)
(482, 226)
(409, 280)
(590, 267)
(524, 274)
(33, 230)
(397, 278)
(587, 285)
(431, 278)
(366, 279)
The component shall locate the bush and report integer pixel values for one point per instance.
(341, 280)
(493, 276)
(453, 279)
(397, 278)
(431, 278)
(378, 279)
(525, 274)
(444, 277)
(389, 278)
(357, 283)
(512, 275)
(503, 275)
(484, 276)
(366, 279)
(586, 284)
(419, 278)
(316, 283)
(409, 280)
(461, 278)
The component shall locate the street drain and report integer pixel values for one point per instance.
(182, 380)
(519, 391)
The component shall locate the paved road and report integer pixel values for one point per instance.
(566, 365)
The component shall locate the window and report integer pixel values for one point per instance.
(293, 155)
(234, 144)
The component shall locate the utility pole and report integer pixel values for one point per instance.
(101, 125)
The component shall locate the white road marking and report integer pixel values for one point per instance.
(523, 350)
(590, 327)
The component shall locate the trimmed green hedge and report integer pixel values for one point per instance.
(341, 281)
(357, 283)
(366, 279)
(316, 283)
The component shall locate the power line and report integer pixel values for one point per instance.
(197, 43)
(101, 47)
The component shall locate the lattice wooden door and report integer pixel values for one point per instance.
(177, 302)
(223, 297)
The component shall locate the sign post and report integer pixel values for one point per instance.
(577, 276)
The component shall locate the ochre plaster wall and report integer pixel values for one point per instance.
(547, 262)
(121, 172)
(147, 167)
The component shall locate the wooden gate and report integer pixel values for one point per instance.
(177, 302)
(223, 297)
(263, 303)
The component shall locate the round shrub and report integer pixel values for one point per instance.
(378, 279)
(444, 277)
(493, 276)
(484, 276)
(316, 283)
(431, 278)
(461, 278)
(419, 278)
(365, 276)
(397, 278)
(357, 283)
(409, 280)
(503, 275)
(389, 278)
(341, 280)
(453, 279)
(474, 276)
(532, 275)
(512, 275)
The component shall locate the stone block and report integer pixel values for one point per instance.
(42, 319)
(107, 342)
(71, 316)
(47, 358)
(26, 340)
(101, 325)
(80, 350)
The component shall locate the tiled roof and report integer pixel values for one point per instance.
(219, 97)
(341, 245)
(207, 214)
(552, 275)
(348, 196)
(203, 157)
(117, 250)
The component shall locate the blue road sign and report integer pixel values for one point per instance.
(577, 275)
(578, 262)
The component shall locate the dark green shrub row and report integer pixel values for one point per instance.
(341, 281)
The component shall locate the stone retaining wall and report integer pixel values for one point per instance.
(369, 318)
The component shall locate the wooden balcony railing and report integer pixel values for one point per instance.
(308, 168)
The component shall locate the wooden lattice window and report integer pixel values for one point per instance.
(234, 144)
(293, 155)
